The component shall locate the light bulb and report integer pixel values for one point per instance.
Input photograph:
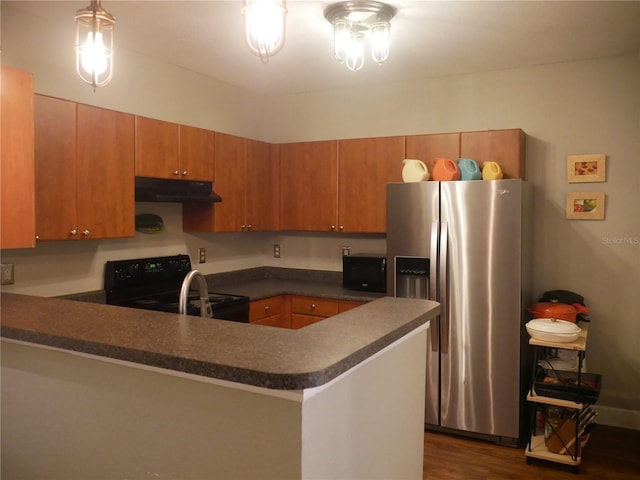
(341, 38)
(265, 27)
(354, 59)
(94, 55)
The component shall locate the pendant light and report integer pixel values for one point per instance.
(265, 26)
(94, 44)
(352, 21)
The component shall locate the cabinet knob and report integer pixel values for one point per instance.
(243, 227)
(333, 227)
(313, 306)
(266, 308)
(249, 227)
(86, 233)
(341, 228)
(74, 232)
(184, 173)
(37, 237)
(176, 172)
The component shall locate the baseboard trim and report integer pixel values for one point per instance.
(618, 417)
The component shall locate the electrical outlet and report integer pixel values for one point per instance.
(346, 251)
(7, 274)
(276, 250)
(202, 253)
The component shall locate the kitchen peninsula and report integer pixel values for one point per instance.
(97, 391)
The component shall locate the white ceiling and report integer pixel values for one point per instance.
(429, 38)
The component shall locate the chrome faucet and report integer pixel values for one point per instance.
(205, 305)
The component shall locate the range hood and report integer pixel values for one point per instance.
(182, 191)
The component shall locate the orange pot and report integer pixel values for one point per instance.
(561, 311)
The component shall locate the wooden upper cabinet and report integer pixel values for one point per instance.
(430, 146)
(262, 186)
(168, 150)
(84, 171)
(366, 165)
(17, 215)
(246, 178)
(156, 148)
(507, 147)
(105, 193)
(56, 169)
(196, 157)
(230, 174)
(308, 186)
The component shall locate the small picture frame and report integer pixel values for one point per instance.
(587, 168)
(585, 205)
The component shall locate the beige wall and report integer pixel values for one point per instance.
(571, 108)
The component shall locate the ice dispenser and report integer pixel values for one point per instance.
(412, 277)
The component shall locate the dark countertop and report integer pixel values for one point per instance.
(251, 354)
(263, 282)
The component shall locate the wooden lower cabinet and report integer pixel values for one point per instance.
(269, 311)
(293, 311)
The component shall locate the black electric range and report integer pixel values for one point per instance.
(155, 283)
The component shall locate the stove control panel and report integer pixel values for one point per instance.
(123, 275)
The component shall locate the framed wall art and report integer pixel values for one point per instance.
(585, 205)
(587, 168)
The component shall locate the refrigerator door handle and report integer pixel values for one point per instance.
(433, 269)
(443, 281)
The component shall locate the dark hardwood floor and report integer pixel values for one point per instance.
(611, 454)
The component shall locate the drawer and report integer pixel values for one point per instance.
(320, 307)
(265, 307)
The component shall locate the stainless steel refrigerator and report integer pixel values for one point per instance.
(466, 245)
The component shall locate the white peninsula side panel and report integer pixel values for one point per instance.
(75, 416)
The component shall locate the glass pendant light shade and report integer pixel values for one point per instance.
(265, 26)
(380, 35)
(94, 44)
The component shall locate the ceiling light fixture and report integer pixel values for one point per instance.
(351, 22)
(94, 44)
(265, 26)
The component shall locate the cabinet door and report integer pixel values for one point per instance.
(430, 146)
(55, 169)
(156, 151)
(308, 186)
(366, 165)
(261, 188)
(196, 153)
(17, 229)
(230, 174)
(507, 147)
(105, 181)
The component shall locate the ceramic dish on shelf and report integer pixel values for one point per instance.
(553, 330)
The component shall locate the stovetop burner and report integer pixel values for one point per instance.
(154, 284)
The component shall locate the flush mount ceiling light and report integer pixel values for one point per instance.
(94, 44)
(351, 22)
(265, 26)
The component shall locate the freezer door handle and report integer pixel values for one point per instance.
(433, 269)
(443, 281)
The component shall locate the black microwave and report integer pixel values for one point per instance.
(365, 272)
